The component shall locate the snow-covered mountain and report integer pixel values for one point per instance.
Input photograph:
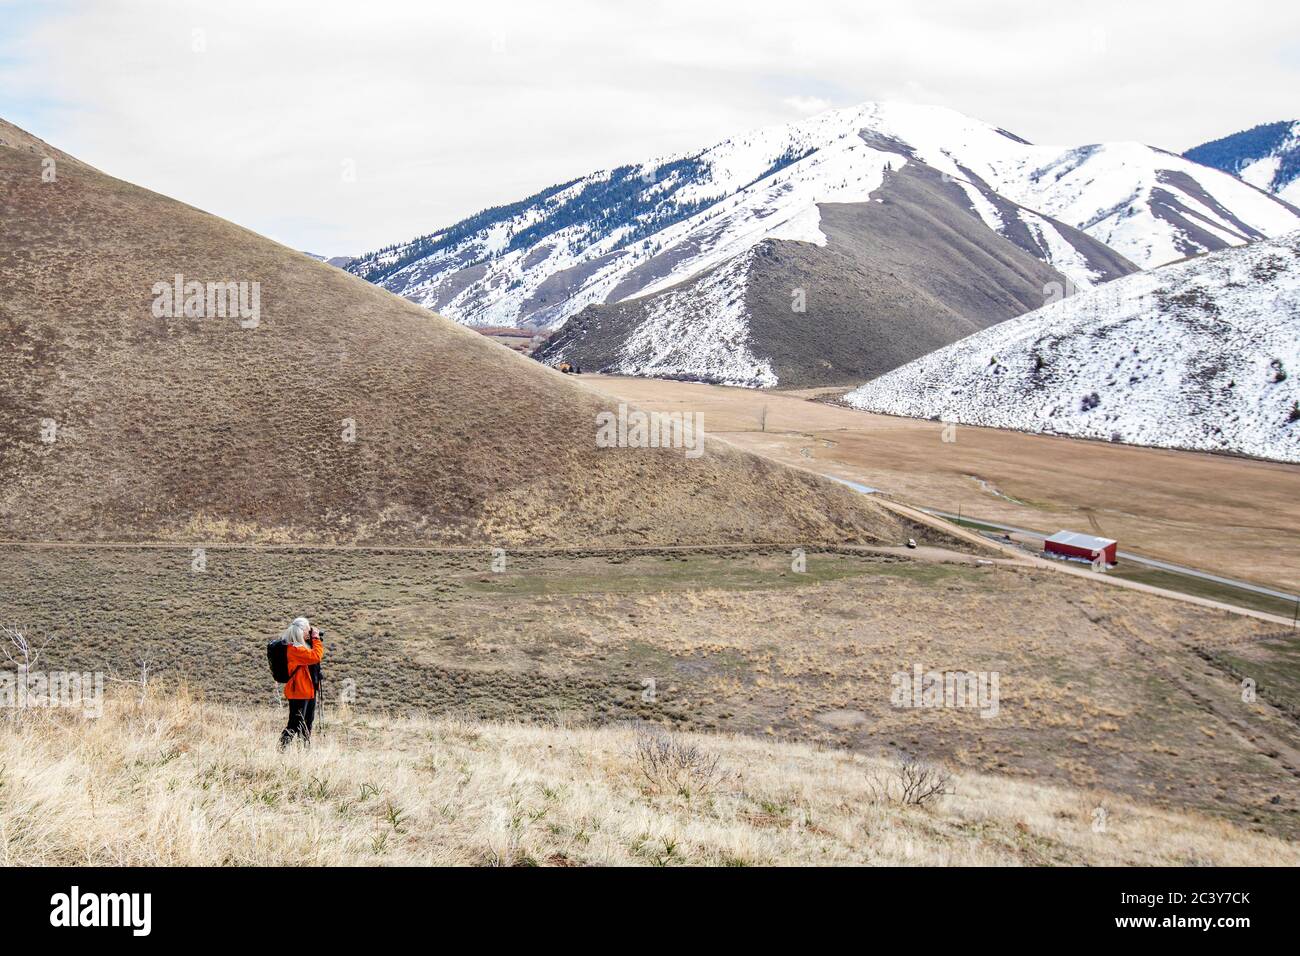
(340, 262)
(625, 235)
(1266, 156)
(1202, 354)
(908, 272)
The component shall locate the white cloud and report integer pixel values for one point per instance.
(806, 105)
(446, 108)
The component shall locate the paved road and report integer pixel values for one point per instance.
(1136, 559)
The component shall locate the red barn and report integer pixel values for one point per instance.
(1083, 547)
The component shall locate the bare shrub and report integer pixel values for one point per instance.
(911, 783)
(148, 673)
(671, 764)
(18, 649)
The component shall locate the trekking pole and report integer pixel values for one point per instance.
(320, 691)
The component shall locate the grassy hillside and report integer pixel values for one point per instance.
(168, 780)
(346, 414)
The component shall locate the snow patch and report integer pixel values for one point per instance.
(700, 332)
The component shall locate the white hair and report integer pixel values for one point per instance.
(296, 633)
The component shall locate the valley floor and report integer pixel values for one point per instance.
(170, 781)
(1232, 516)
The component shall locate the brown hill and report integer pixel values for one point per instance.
(116, 424)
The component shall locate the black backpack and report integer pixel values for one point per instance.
(277, 655)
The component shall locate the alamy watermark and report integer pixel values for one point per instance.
(211, 300)
(637, 429)
(975, 690)
(130, 910)
(25, 688)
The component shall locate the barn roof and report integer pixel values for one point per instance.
(1081, 540)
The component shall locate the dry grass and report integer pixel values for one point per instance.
(173, 781)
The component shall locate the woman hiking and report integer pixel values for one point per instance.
(304, 652)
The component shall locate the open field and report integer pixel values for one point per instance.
(1098, 687)
(168, 781)
(1231, 516)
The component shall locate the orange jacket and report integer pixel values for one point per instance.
(300, 659)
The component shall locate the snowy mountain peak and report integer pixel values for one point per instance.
(1090, 213)
(636, 229)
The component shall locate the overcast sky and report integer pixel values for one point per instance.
(258, 111)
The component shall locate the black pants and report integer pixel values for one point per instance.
(302, 714)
